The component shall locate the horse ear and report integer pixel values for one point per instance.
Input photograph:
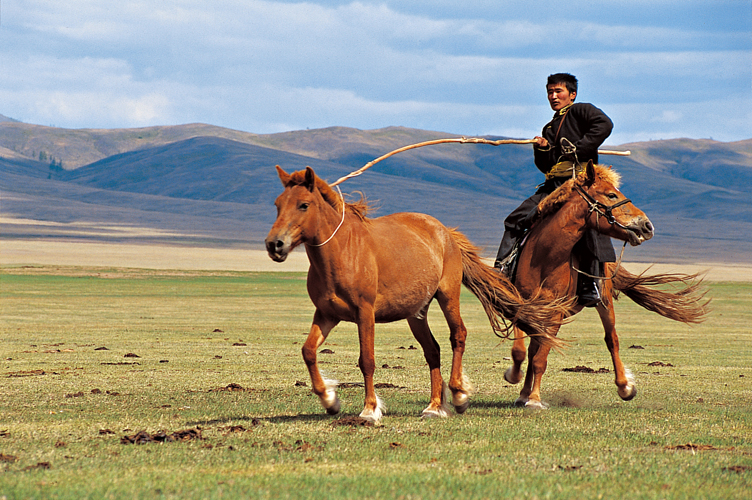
(589, 173)
(283, 176)
(310, 178)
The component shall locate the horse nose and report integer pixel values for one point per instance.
(273, 245)
(647, 229)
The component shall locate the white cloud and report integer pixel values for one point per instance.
(266, 65)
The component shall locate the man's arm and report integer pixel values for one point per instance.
(596, 127)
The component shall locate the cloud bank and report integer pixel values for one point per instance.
(660, 69)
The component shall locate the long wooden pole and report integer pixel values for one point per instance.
(461, 140)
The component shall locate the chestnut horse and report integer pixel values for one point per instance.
(547, 266)
(386, 269)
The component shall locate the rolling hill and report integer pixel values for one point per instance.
(204, 185)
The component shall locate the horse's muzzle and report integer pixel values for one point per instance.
(640, 230)
(277, 249)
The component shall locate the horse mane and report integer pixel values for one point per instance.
(359, 207)
(554, 201)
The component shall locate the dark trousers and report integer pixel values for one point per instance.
(591, 250)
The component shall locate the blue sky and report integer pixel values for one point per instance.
(659, 69)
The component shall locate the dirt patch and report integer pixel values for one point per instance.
(239, 428)
(39, 465)
(233, 387)
(586, 369)
(694, 447)
(352, 422)
(144, 437)
(738, 468)
(29, 373)
(659, 363)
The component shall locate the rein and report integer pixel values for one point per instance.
(339, 226)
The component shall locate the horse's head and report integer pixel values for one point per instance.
(610, 212)
(301, 209)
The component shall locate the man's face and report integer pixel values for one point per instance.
(559, 96)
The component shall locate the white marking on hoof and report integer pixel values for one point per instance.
(629, 391)
(536, 405)
(329, 399)
(374, 415)
(435, 413)
(460, 399)
(520, 401)
(509, 378)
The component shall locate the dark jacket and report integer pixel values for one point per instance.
(584, 125)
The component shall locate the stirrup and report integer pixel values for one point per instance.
(587, 296)
(508, 265)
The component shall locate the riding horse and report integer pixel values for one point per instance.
(386, 269)
(547, 267)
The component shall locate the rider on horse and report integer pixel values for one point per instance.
(568, 142)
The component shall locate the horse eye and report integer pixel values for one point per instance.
(303, 206)
(612, 196)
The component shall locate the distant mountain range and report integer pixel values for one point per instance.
(199, 184)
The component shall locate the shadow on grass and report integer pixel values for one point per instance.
(274, 419)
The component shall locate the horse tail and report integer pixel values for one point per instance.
(685, 303)
(502, 301)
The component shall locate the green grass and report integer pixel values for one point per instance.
(196, 333)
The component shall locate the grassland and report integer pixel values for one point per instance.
(92, 356)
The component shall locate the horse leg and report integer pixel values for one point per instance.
(527, 386)
(539, 363)
(438, 407)
(513, 375)
(459, 384)
(625, 382)
(373, 409)
(324, 389)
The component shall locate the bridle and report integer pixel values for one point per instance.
(601, 209)
(606, 211)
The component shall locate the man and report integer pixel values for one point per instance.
(565, 146)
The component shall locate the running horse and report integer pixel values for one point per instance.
(368, 271)
(547, 267)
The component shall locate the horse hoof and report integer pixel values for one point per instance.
(462, 408)
(373, 417)
(460, 401)
(536, 405)
(334, 409)
(520, 402)
(631, 392)
(434, 413)
(509, 378)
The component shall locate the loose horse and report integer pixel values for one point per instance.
(386, 269)
(546, 266)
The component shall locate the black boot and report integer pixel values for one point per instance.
(507, 264)
(588, 292)
(507, 255)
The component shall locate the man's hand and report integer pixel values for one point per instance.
(540, 142)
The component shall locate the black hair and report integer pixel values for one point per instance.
(569, 81)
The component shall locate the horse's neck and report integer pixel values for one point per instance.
(331, 243)
(552, 240)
